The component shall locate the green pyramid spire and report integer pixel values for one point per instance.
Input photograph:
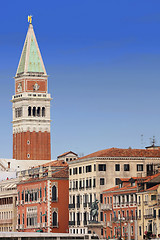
(31, 60)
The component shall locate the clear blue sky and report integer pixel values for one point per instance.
(103, 58)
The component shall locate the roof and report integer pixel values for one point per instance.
(120, 152)
(149, 178)
(153, 188)
(66, 153)
(55, 163)
(31, 60)
(126, 188)
(63, 173)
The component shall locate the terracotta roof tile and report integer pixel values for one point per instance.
(63, 173)
(119, 152)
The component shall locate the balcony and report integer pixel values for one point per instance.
(145, 202)
(6, 221)
(106, 207)
(6, 206)
(148, 216)
(71, 223)
(71, 205)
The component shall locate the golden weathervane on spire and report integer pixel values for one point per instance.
(30, 19)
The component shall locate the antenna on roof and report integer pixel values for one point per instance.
(152, 141)
(142, 143)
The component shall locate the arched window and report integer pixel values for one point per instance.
(38, 112)
(54, 193)
(43, 111)
(34, 111)
(29, 111)
(54, 219)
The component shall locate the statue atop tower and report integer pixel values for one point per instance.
(31, 104)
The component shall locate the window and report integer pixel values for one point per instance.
(18, 219)
(101, 167)
(101, 216)
(28, 155)
(139, 213)
(74, 171)
(54, 219)
(153, 197)
(140, 231)
(94, 182)
(54, 193)
(139, 199)
(101, 198)
(18, 112)
(88, 168)
(139, 167)
(70, 171)
(126, 167)
(132, 230)
(66, 159)
(94, 167)
(43, 111)
(34, 111)
(80, 170)
(116, 181)
(117, 167)
(45, 216)
(40, 217)
(29, 111)
(38, 112)
(101, 231)
(101, 181)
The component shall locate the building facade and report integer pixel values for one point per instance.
(42, 202)
(148, 208)
(90, 175)
(8, 209)
(31, 104)
(120, 210)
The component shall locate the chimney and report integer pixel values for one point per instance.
(9, 165)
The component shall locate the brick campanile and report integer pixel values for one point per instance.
(31, 105)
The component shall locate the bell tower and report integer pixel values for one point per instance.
(31, 104)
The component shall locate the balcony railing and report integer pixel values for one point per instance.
(106, 206)
(148, 216)
(6, 221)
(6, 206)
